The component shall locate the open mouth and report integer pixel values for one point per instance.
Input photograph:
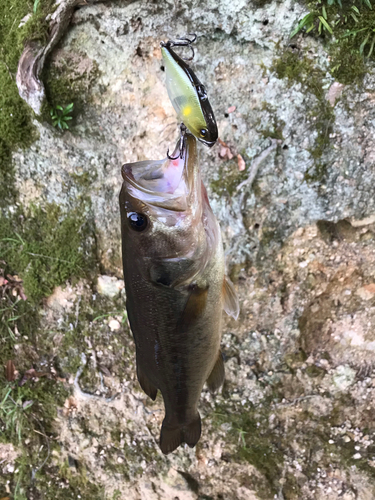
(171, 183)
(160, 183)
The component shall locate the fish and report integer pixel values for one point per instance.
(176, 287)
(188, 95)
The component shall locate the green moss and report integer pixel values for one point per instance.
(16, 129)
(300, 69)
(295, 360)
(64, 85)
(228, 178)
(273, 130)
(13, 36)
(254, 442)
(85, 179)
(350, 38)
(21, 408)
(314, 371)
(275, 127)
(347, 65)
(46, 247)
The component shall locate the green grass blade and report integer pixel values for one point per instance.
(10, 239)
(5, 398)
(68, 108)
(36, 5)
(371, 47)
(310, 29)
(304, 21)
(325, 24)
(363, 44)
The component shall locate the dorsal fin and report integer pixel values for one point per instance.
(230, 300)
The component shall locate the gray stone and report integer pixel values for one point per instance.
(300, 385)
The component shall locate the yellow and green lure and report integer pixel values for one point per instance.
(188, 95)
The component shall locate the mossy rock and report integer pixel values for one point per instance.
(46, 247)
(296, 68)
(16, 127)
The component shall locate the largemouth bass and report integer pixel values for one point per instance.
(175, 286)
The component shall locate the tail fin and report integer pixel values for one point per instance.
(172, 437)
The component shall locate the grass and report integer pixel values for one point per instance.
(60, 116)
(349, 29)
(14, 416)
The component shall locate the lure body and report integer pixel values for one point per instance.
(175, 287)
(189, 97)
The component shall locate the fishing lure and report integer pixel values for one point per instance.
(187, 94)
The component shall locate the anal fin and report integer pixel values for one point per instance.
(172, 436)
(216, 377)
(148, 387)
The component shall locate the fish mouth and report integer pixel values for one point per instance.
(169, 183)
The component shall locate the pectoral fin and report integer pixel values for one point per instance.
(230, 300)
(216, 378)
(148, 387)
(194, 307)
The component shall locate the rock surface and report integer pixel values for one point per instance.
(295, 417)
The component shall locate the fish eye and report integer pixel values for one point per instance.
(203, 132)
(137, 221)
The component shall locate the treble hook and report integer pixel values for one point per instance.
(182, 41)
(181, 145)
